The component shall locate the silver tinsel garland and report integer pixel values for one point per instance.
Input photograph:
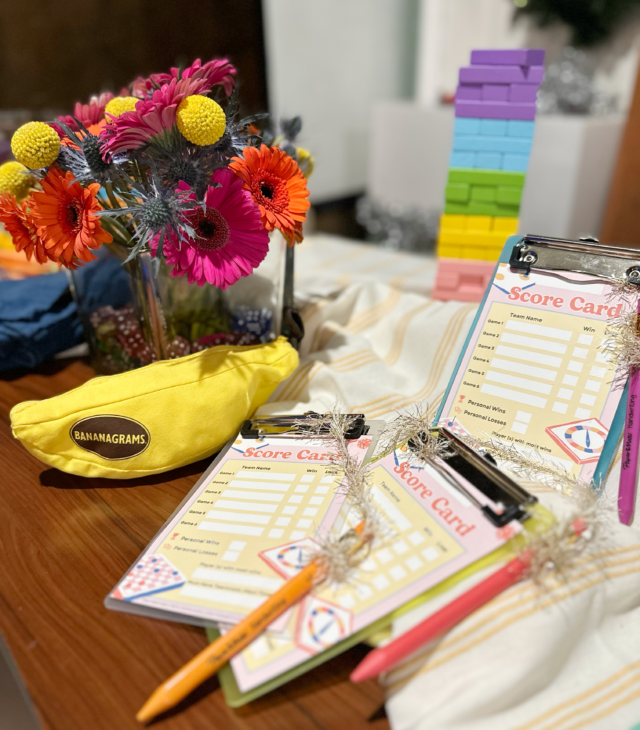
(569, 88)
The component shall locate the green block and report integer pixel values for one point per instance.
(476, 208)
(483, 193)
(457, 192)
(486, 177)
(510, 196)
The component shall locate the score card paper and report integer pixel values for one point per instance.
(534, 372)
(226, 548)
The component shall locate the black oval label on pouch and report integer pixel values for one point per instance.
(110, 437)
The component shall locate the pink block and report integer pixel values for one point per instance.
(462, 280)
(495, 92)
(515, 57)
(523, 93)
(495, 110)
(469, 92)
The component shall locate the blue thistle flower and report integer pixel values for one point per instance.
(154, 211)
(86, 160)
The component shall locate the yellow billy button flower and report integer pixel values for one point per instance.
(305, 161)
(121, 104)
(35, 144)
(201, 120)
(15, 179)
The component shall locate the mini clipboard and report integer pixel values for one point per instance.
(563, 262)
(240, 507)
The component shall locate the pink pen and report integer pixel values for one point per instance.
(388, 656)
(630, 447)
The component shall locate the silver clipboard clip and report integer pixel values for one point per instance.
(585, 256)
(480, 469)
(294, 427)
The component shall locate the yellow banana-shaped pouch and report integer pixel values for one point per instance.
(162, 416)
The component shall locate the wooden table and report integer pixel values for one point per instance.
(64, 543)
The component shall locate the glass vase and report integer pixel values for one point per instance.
(135, 313)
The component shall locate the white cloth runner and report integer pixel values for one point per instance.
(562, 658)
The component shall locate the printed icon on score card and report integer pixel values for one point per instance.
(321, 624)
(151, 574)
(290, 559)
(454, 426)
(582, 440)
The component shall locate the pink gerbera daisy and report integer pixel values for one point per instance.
(216, 72)
(230, 240)
(151, 117)
(88, 114)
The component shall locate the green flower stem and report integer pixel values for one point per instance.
(129, 226)
(114, 227)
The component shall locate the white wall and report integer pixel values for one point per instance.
(330, 61)
(449, 30)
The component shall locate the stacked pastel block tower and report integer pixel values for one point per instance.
(495, 112)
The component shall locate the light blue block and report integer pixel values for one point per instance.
(515, 163)
(466, 125)
(462, 159)
(467, 143)
(478, 143)
(488, 161)
(517, 146)
(517, 128)
(493, 127)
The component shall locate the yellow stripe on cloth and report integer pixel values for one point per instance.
(442, 354)
(521, 601)
(374, 314)
(401, 330)
(355, 324)
(564, 715)
(387, 403)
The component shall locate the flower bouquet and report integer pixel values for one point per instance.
(167, 180)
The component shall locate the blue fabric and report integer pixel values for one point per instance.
(39, 318)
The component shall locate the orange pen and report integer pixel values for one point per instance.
(209, 660)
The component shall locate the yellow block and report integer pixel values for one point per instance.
(472, 238)
(453, 222)
(479, 237)
(482, 253)
(479, 222)
(449, 252)
(507, 225)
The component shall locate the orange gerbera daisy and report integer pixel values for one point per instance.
(278, 186)
(21, 227)
(66, 216)
(93, 129)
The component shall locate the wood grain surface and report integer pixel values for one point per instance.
(64, 543)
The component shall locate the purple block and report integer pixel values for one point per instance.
(523, 92)
(469, 92)
(516, 57)
(501, 74)
(495, 110)
(495, 92)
